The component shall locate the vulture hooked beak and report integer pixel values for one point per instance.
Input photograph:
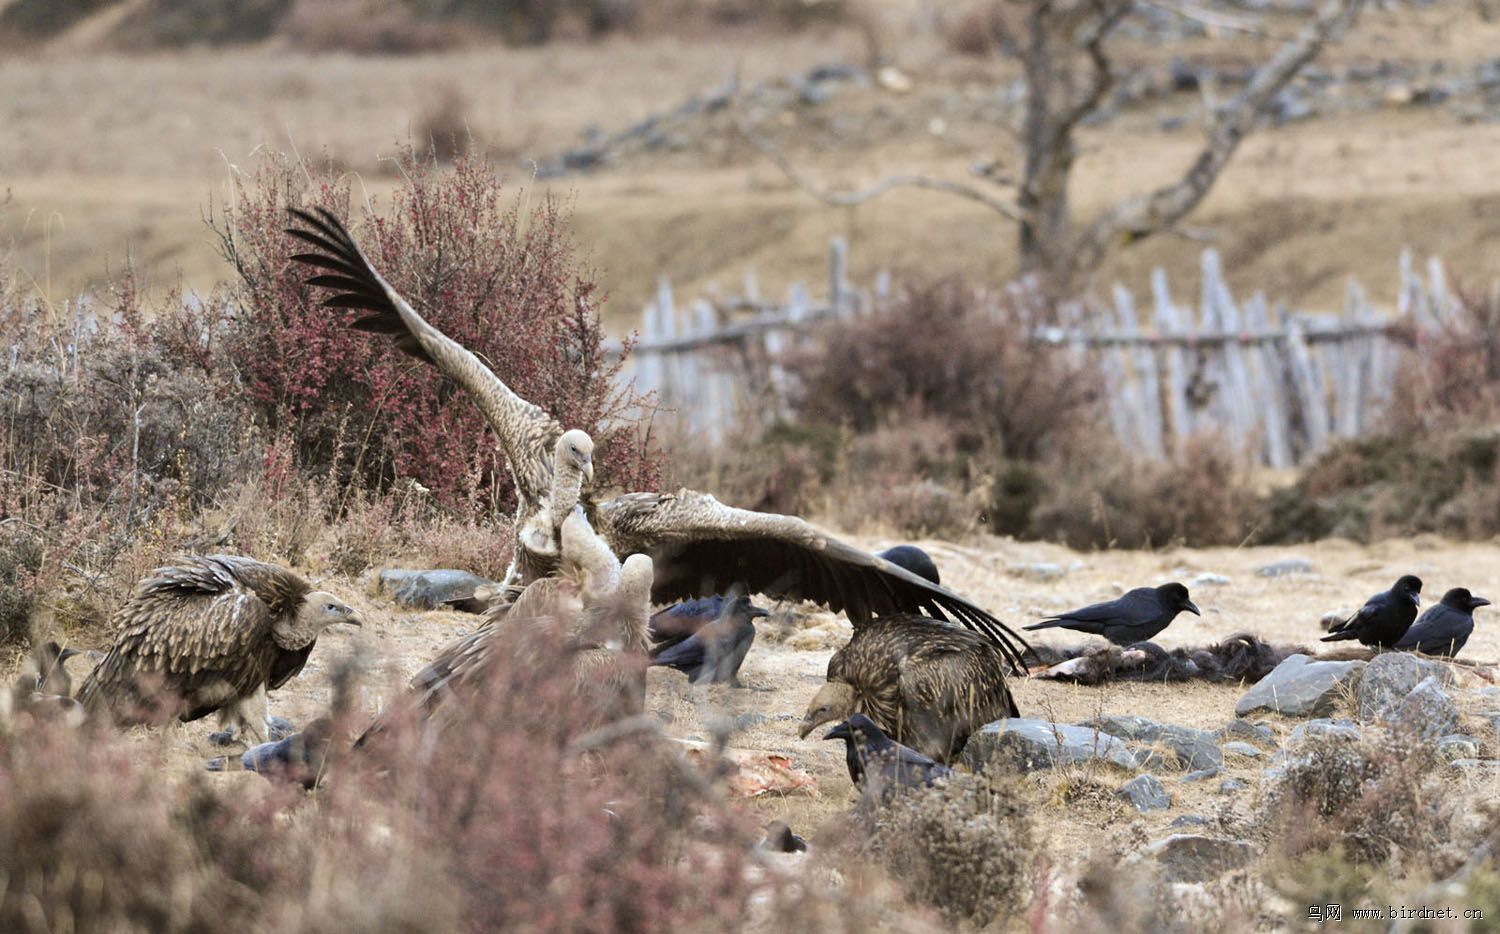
(1191, 607)
(808, 725)
(588, 470)
(354, 619)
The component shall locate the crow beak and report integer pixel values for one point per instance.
(1191, 607)
(758, 613)
(1475, 601)
(68, 653)
(839, 732)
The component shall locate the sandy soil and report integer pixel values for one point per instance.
(789, 660)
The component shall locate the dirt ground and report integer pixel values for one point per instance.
(112, 157)
(790, 657)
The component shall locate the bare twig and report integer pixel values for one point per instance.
(1144, 215)
(850, 198)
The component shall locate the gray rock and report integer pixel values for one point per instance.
(1230, 785)
(1324, 728)
(1458, 746)
(1188, 820)
(1299, 687)
(1487, 768)
(1036, 570)
(1186, 857)
(1146, 793)
(1248, 731)
(1243, 750)
(1389, 677)
(1201, 775)
(1285, 566)
(426, 590)
(1208, 579)
(1427, 711)
(1028, 744)
(1169, 746)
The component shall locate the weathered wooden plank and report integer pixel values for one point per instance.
(1311, 396)
(1148, 378)
(1167, 322)
(1268, 376)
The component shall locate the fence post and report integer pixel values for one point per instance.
(1167, 326)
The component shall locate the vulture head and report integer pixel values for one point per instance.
(575, 451)
(318, 611)
(834, 701)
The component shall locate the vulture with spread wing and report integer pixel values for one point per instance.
(206, 634)
(698, 545)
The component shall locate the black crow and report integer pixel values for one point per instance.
(1444, 628)
(780, 839)
(1136, 617)
(913, 559)
(677, 622)
(878, 764)
(297, 758)
(714, 653)
(1385, 617)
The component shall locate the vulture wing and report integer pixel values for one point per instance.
(702, 547)
(195, 626)
(527, 433)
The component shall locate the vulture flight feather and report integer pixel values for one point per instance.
(698, 546)
(207, 633)
(928, 684)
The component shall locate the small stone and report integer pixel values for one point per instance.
(1029, 744)
(1299, 687)
(1230, 785)
(1188, 820)
(893, 79)
(1485, 767)
(1458, 746)
(1208, 579)
(1427, 711)
(1249, 731)
(1167, 745)
(426, 590)
(1243, 750)
(1196, 858)
(1324, 728)
(1389, 677)
(748, 720)
(1200, 775)
(1146, 793)
(1285, 566)
(1037, 570)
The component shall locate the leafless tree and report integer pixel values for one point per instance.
(1063, 46)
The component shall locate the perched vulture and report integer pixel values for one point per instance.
(880, 766)
(206, 634)
(927, 683)
(699, 546)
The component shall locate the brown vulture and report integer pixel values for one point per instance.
(206, 634)
(928, 684)
(698, 545)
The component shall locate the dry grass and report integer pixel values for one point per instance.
(1299, 210)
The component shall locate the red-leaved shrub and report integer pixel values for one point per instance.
(495, 272)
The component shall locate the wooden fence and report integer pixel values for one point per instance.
(1278, 383)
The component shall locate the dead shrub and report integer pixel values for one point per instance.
(1451, 379)
(962, 848)
(498, 275)
(367, 27)
(982, 29)
(1379, 798)
(1202, 499)
(946, 351)
(178, 23)
(443, 126)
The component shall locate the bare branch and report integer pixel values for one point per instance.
(850, 198)
(1144, 215)
(1110, 14)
